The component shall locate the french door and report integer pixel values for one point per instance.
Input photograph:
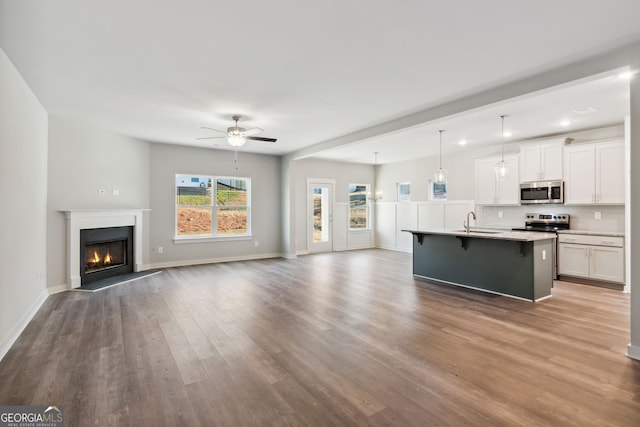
(320, 215)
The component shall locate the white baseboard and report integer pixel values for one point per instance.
(22, 323)
(213, 260)
(391, 248)
(302, 252)
(633, 351)
(57, 289)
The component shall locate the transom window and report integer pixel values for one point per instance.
(358, 207)
(199, 214)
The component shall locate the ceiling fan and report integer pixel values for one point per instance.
(237, 136)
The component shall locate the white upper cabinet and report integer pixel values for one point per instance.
(490, 191)
(594, 173)
(541, 161)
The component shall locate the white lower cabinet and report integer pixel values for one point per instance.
(591, 257)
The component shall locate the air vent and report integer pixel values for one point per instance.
(585, 110)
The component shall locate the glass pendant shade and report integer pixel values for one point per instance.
(502, 171)
(236, 140)
(440, 177)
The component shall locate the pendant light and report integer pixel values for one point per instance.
(502, 172)
(377, 195)
(441, 174)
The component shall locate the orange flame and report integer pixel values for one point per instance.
(96, 257)
(107, 259)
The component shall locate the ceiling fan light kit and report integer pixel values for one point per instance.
(236, 136)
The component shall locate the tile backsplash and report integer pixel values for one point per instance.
(582, 217)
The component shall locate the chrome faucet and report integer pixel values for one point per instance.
(467, 225)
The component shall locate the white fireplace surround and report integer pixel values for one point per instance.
(82, 219)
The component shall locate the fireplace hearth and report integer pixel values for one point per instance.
(105, 252)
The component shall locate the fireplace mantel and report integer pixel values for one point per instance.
(82, 219)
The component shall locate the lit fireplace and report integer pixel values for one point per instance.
(100, 256)
(105, 252)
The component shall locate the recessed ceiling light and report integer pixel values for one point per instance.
(585, 110)
(507, 134)
(625, 75)
(462, 142)
(565, 123)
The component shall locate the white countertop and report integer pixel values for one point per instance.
(486, 233)
(592, 233)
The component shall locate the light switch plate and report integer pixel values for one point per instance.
(597, 215)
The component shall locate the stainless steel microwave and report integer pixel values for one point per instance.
(541, 192)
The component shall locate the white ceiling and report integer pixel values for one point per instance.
(308, 73)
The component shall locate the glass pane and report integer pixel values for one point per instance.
(194, 221)
(320, 217)
(193, 190)
(233, 221)
(231, 192)
(358, 205)
(358, 217)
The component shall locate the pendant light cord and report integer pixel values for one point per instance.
(440, 148)
(502, 117)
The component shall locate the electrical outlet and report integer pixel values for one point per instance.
(499, 214)
(256, 243)
(597, 215)
(544, 255)
(116, 192)
(160, 249)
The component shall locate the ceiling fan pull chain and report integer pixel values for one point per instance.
(236, 158)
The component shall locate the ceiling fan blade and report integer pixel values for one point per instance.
(212, 137)
(215, 130)
(259, 138)
(252, 131)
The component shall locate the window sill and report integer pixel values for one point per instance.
(179, 240)
(359, 230)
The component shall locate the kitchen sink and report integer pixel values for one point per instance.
(479, 231)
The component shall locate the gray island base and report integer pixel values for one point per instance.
(515, 264)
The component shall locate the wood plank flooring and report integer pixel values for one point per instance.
(339, 339)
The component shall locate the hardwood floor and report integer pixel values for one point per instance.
(347, 338)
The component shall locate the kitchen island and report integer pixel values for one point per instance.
(515, 264)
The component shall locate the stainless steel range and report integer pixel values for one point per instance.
(547, 223)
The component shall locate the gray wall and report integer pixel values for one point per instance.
(23, 217)
(343, 174)
(264, 171)
(84, 159)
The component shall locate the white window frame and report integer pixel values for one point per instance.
(403, 197)
(367, 205)
(215, 208)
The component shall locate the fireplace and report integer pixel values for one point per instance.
(79, 220)
(105, 252)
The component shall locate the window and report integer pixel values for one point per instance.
(198, 214)
(358, 207)
(437, 191)
(404, 192)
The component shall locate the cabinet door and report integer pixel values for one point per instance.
(551, 160)
(508, 190)
(579, 175)
(486, 181)
(610, 173)
(573, 259)
(607, 263)
(530, 166)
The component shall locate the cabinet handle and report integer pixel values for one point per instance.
(606, 242)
